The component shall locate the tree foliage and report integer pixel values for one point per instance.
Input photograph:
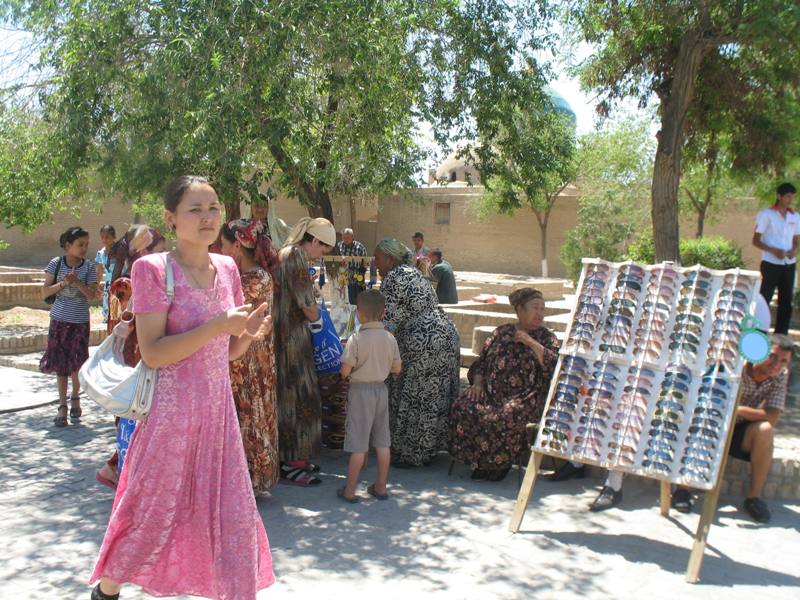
(311, 98)
(705, 62)
(527, 156)
(613, 178)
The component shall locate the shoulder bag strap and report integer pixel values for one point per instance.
(170, 279)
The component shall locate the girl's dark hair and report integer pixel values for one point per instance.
(108, 229)
(72, 234)
(307, 237)
(264, 253)
(179, 186)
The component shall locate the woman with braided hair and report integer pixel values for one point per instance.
(420, 397)
(253, 378)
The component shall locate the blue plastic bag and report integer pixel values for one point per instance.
(125, 429)
(327, 347)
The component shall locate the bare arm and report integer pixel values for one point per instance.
(772, 415)
(793, 252)
(762, 246)
(346, 370)
(397, 369)
(50, 286)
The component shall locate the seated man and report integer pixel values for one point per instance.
(761, 404)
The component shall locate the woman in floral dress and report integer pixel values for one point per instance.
(253, 375)
(420, 397)
(508, 388)
(299, 409)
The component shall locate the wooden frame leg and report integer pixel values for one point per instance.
(666, 497)
(525, 491)
(701, 535)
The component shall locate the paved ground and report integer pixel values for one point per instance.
(438, 537)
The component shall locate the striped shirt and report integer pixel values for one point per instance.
(71, 306)
(770, 393)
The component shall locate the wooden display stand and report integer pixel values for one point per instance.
(710, 500)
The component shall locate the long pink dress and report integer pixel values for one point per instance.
(184, 519)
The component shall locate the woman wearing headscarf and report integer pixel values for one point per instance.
(299, 410)
(253, 374)
(420, 397)
(508, 389)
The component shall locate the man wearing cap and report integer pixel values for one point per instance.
(349, 246)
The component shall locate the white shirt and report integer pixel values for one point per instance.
(777, 231)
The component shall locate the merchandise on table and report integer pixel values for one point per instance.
(650, 370)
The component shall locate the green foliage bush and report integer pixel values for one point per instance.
(712, 252)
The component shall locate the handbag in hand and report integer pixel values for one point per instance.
(106, 377)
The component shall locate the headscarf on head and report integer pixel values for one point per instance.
(397, 250)
(320, 228)
(523, 295)
(254, 236)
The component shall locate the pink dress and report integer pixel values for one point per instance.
(184, 519)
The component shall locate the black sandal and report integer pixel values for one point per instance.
(75, 412)
(98, 595)
(61, 419)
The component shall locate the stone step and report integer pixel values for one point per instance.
(37, 342)
(22, 277)
(479, 336)
(557, 322)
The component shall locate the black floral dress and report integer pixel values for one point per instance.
(490, 434)
(420, 397)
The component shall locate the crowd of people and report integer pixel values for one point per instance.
(237, 406)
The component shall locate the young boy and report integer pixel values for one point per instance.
(370, 355)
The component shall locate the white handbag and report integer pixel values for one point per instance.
(123, 390)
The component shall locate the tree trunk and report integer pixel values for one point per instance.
(667, 166)
(701, 218)
(543, 219)
(353, 215)
(320, 205)
(233, 210)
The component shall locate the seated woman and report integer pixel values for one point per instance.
(508, 389)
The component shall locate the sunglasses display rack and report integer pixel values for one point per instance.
(649, 371)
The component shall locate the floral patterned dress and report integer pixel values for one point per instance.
(491, 434)
(420, 397)
(254, 386)
(299, 410)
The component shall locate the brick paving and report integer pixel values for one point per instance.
(438, 537)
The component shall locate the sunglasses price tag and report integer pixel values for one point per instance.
(754, 345)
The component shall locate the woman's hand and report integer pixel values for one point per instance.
(259, 323)
(71, 277)
(234, 321)
(476, 391)
(523, 337)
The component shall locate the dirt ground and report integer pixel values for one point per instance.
(20, 318)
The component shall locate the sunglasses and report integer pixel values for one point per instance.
(631, 268)
(638, 401)
(554, 425)
(630, 282)
(620, 310)
(582, 334)
(692, 275)
(684, 346)
(697, 284)
(674, 376)
(602, 267)
(702, 442)
(735, 293)
(715, 381)
(694, 304)
(670, 384)
(586, 298)
(622, 447)
(576, 360)
(727, 312)
(559, 415)
(606, 366)
(691, 473)
(653, 465)
(662, 424)
(620, 457)
(705, 390)
(661, 445)
(705, 422)
(595, 384)
(584, 308)
(555, 434)
(568, 389)
(698, 431)
(670, 415)
(652, 306)
(636, 377)
(616, 349)
(699, 453)
(708, 410)
(697, 463)
(659, 455)
(665, 404)
(624, 420)
(593, 283)
(685, 316)
(605, 375)
(663, 435)
(589, 409)
(566, 407)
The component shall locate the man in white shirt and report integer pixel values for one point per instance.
(777, 234)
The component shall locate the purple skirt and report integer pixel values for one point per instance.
(67, 348)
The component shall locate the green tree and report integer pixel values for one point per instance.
(698, 59)
(312, 98)
(614, 165)
(526, 157)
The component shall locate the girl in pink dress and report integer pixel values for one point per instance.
(184, 519)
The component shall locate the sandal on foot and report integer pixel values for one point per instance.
(105, 481)
(682, 500)
(305, 465)
(61, 419)
(98, 595)
(353, 500)
(75, 412)
(295, 476)
(371, 491)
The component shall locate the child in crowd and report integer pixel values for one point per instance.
(371, 354)
(71, 279)
(105, 264)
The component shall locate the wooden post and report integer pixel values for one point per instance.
(665, 498)
(525, 491)
(710, 500)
